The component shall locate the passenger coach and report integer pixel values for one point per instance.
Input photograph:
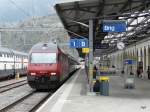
(12, 62)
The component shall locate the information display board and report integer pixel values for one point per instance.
(99, 45)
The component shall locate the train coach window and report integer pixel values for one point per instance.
(43, 58)
(0, 54)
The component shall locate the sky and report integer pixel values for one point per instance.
(12, 11)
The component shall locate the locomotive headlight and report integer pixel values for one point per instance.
(53, 73)
(33, 73)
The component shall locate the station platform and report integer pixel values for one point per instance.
(74, 96)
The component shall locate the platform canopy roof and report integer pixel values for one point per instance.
(75, 18)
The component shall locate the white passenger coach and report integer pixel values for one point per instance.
(12, 62)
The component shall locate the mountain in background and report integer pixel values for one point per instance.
(24, 40)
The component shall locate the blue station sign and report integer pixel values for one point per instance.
(129, 61)
(78, 43)
(114, 26)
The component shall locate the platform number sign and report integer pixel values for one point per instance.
(78, 43)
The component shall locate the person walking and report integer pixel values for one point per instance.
(138, 72)
(148, 72)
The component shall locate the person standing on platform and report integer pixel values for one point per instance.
(138, 72)
(94, 72)
(148, 72)
(96, 87)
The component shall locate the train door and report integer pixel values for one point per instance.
(5, 66)
(22, 62)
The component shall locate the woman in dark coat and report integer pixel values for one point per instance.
(94, 72)
(148, 72)
(96, 87)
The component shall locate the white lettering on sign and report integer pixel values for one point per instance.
(109, 28)
(74, 44)
(82, 44)
(106, 28)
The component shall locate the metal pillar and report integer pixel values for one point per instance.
(123, 59)
(91, 35)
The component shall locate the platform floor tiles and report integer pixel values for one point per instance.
(73, 97)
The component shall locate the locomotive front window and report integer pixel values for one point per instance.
(43, 58)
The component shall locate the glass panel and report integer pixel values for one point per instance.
(43, 58)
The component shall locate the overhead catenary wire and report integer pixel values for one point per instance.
(21, 9)
(76, 34)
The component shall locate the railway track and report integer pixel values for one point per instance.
(12, 86)
(27, 103)
(8, 79)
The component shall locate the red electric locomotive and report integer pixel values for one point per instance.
(48, 66)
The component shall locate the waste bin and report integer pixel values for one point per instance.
(104, 86)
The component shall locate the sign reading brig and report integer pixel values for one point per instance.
(114, 26)
(78, 43)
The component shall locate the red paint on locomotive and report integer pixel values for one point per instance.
(48, 66)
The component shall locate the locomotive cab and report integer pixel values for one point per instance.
(43, 68)
(48, 66)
